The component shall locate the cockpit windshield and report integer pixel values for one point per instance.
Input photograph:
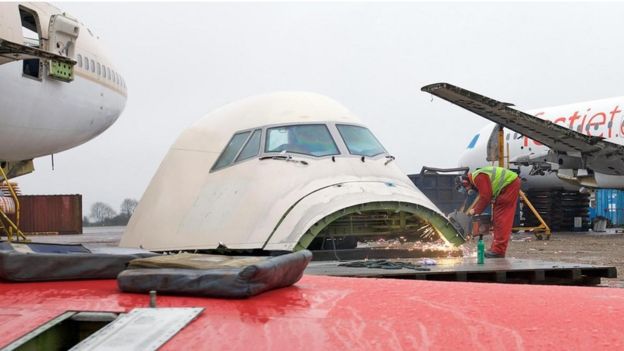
(307, 139)
(360, 141)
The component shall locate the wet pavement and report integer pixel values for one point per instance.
(604, 249)
(92, 236)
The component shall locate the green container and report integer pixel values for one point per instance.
(480, 250)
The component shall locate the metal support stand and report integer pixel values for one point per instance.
(543, 228)
(6, 221)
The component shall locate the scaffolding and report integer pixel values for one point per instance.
(7, 226)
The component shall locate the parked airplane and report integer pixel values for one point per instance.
(570, 146)
(58, 87)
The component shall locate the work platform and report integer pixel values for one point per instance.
(380, 253)
(499, 270)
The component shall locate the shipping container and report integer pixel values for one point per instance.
(439, 185)
(609, 203)
(50, 214)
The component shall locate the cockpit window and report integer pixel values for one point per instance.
(307, 139)
(231, 150)
(360, 141)
(252, 148)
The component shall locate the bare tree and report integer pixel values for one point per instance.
(101, 212)
(128, 206)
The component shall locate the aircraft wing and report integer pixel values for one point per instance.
(600, 155)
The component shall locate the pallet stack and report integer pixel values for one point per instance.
(558, 208)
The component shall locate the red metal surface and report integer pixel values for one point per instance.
(60, 214)
(325, 313)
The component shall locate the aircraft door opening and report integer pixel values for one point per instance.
(31, 31)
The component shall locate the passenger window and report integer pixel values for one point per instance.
(92, 66)
(99, 69)
(231, 150)
(307, 139)
(86, 63)
(252, 148)
(360, 141)
(108, 75)
(79, 60)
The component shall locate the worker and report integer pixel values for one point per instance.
(501, 187)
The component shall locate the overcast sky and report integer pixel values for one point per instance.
(182, 60)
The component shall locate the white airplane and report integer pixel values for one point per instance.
(58, 87)
(570, 146)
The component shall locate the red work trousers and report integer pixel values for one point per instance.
(504, 210)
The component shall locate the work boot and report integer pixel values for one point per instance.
(491, 254)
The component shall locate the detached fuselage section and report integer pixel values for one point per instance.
(279, 172)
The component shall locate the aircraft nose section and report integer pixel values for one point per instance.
(463, 159)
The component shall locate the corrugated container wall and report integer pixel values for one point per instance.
(440, 189)
(610, 204)
(60, 214)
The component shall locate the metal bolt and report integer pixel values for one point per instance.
(152, 301)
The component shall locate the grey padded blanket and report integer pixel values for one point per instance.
(46, 262)
(229, 282)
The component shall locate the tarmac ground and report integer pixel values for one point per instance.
(603, 249)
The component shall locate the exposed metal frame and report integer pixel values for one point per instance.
(443, 227)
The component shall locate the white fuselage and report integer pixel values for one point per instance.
(44, 116)
(602, 118)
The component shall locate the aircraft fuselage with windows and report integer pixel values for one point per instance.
(45, 109)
